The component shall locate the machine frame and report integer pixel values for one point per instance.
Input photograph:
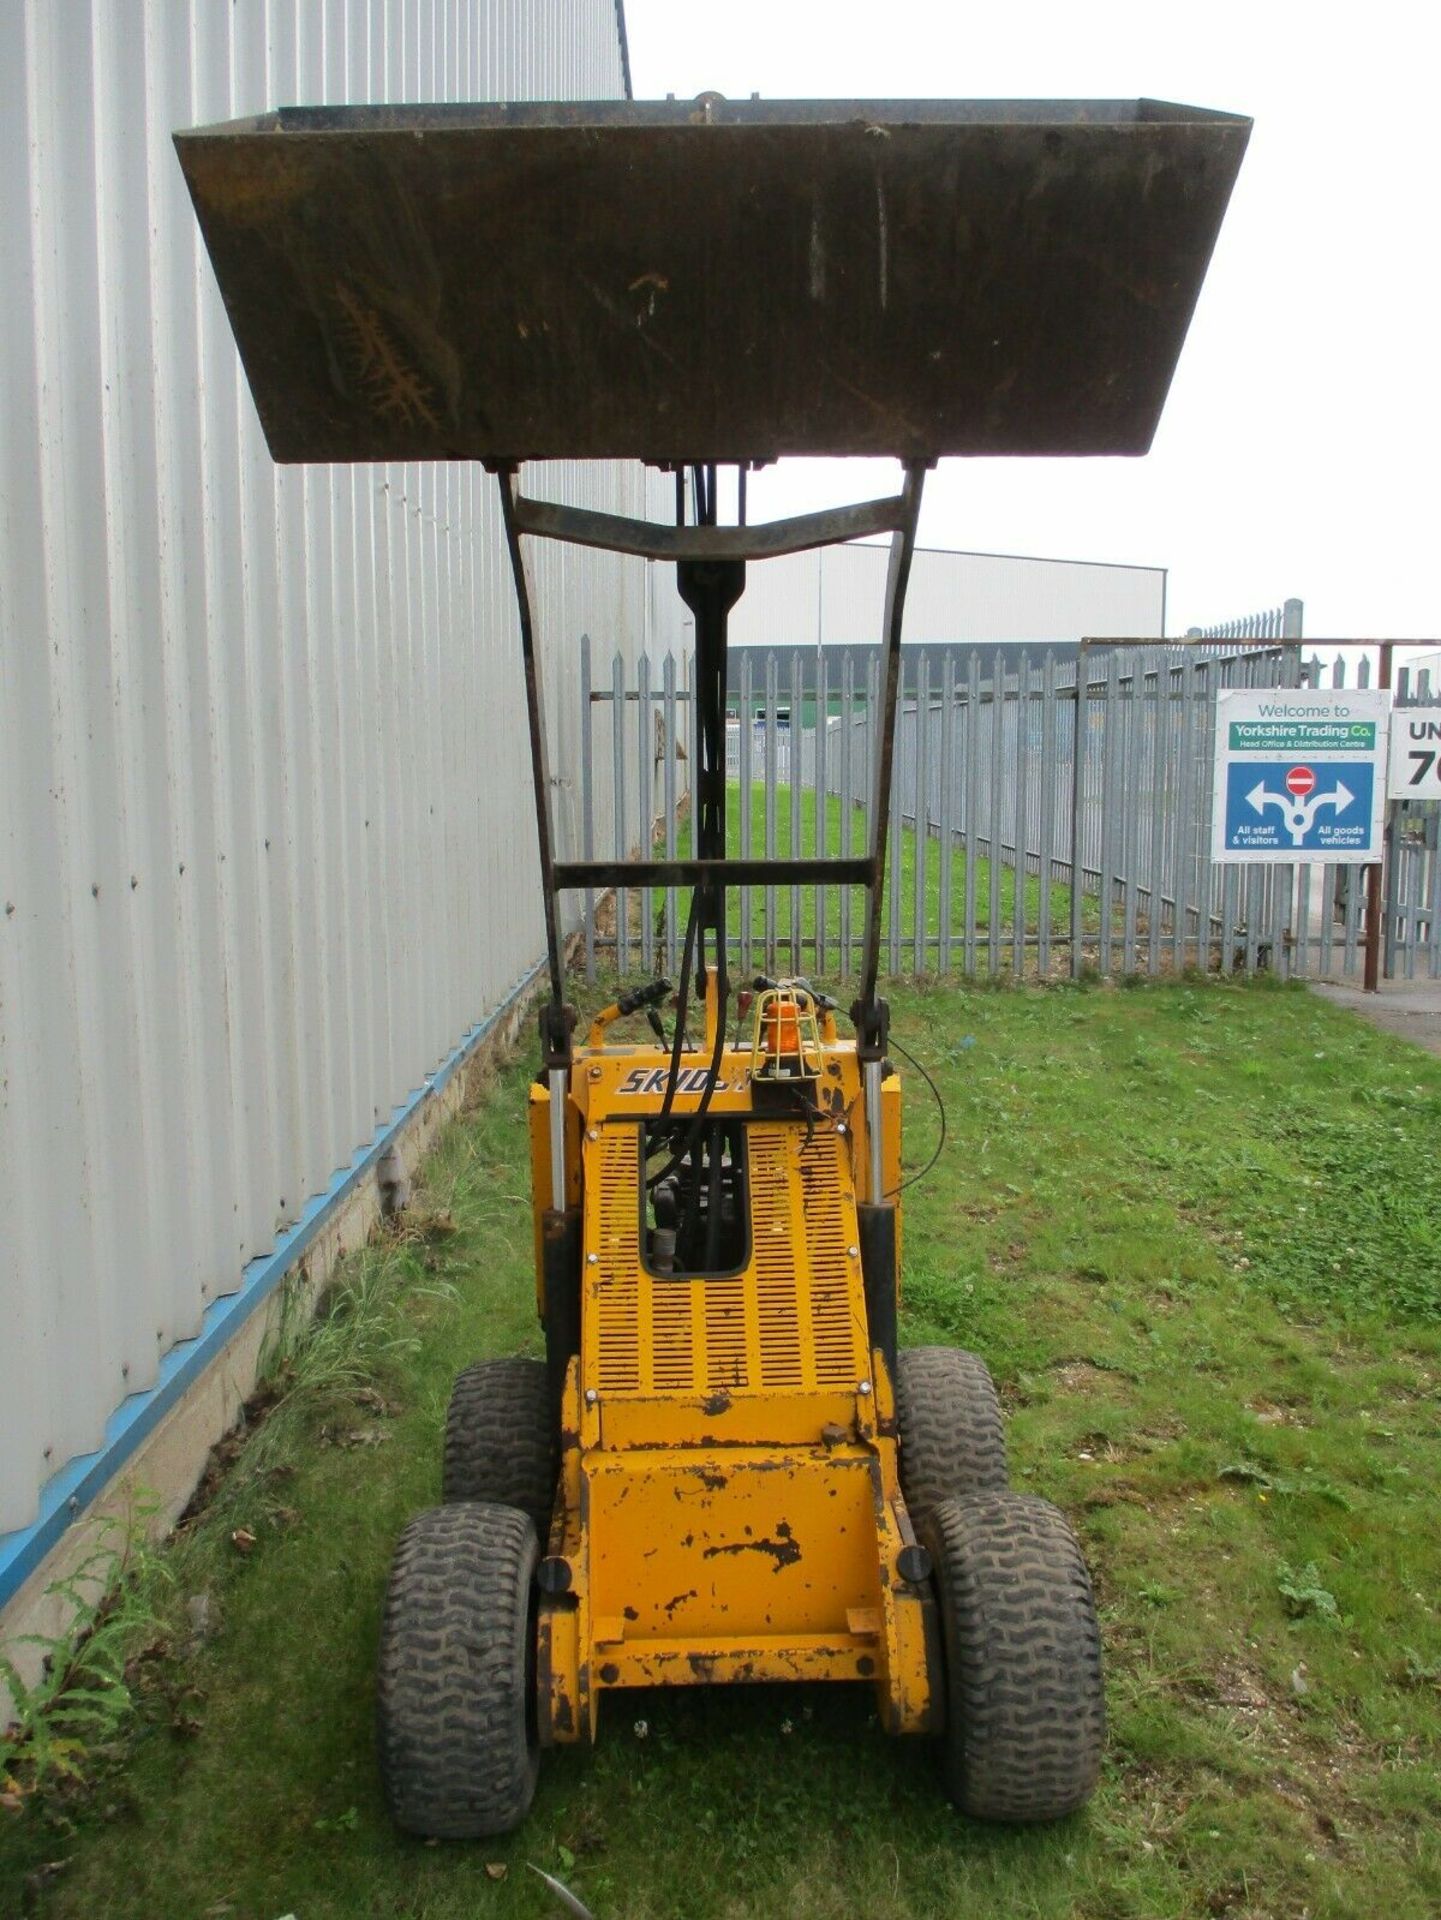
(757, 1468)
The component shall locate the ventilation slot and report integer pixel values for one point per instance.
(672, 1308)
(725, 1334)
(777, 1255)
(618, 1250)
(827, 1246)
(804, 1335)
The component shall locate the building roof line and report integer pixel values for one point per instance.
(1041, 559)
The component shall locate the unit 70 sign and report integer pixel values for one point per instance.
(1299, 775)
(1415, 754)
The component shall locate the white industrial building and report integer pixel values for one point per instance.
(836, 596)
(267, 850)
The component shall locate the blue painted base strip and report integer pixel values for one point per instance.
(68, 1493)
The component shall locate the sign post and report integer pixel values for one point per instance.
(1376, 876)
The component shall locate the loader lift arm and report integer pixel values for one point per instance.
(710, 568)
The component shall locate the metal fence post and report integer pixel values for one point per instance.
(770, 749)
(921, 927)
(796, 763)
(994, 823)
(1020, 855)
(892, 801)
(822, 803)
(946, 842)
(1046, 822)
(848, 721)
(587, 803)
(1376, 872)
(746, 744)
(671, 801)
(622, 851)
(1159, 881)
(1180, 837)
(645, 808)
(1129, 832)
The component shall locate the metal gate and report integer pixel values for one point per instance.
(1014, 850)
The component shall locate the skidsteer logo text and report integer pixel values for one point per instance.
(653, 1079)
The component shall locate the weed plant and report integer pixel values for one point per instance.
(82, 1697)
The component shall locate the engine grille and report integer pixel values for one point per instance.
(788, 1321)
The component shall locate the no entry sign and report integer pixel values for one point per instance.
(1299, 775)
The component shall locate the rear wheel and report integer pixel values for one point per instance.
(455, 1695)
(1025, 1705)
(952, 1437)
(500, 1439)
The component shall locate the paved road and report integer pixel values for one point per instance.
(1411, 1008)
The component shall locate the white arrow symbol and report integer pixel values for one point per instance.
(1340, 799)
(1298, 814)
(1258, 796)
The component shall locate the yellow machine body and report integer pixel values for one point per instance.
(729, 1504)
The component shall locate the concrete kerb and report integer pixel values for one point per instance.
(159, 1477)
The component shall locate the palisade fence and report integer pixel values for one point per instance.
(1011, 852)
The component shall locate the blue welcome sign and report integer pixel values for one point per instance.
(1299, 775)
(1291, 807)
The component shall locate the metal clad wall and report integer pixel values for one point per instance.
(980, 597)
(266, 850)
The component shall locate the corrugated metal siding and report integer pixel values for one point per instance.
(952, 597)
(265, 839)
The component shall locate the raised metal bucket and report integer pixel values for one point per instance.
(712, 280)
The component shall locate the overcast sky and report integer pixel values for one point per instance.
(1297, 454)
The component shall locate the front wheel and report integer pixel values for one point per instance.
(455, 1697)
(1025, 1703)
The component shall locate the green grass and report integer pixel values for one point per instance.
(795, 918)
(1195, 1231)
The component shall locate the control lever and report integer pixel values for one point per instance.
(650, 995)
(647, 998)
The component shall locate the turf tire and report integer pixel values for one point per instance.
(1025, 1705)
(953, 1440)
(500, 1439)
(455, 1697)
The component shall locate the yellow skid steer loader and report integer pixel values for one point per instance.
(725, 1469)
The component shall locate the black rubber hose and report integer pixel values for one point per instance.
(682, 1004)
(722, 995)
(692, 1138)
